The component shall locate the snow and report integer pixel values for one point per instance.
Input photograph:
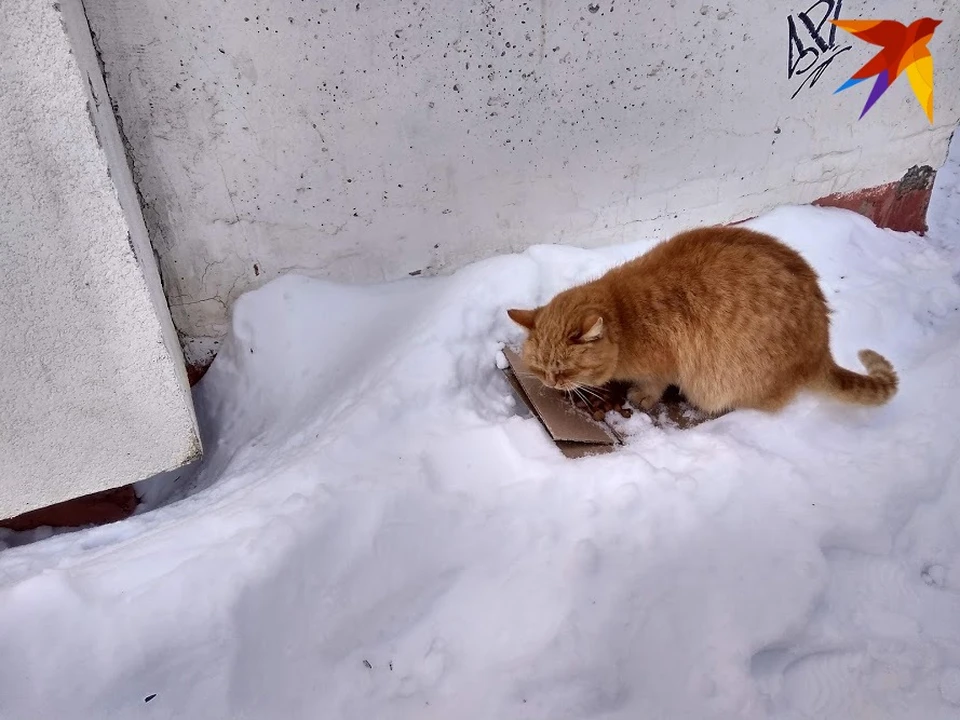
(379, 531)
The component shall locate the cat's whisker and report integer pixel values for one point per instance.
(586, 400)
(590, 391)
(581, 396)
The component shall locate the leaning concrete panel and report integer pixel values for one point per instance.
(95, 394)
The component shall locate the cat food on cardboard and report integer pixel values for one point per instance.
(597, 402)
(578, 426)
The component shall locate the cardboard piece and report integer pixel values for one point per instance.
(575, 432)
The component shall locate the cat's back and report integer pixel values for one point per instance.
(719, 256)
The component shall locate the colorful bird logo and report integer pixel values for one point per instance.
(904, 48)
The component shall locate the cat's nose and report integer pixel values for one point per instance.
(551, 379)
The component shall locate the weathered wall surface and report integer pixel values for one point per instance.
(368, 140)
(92, 381)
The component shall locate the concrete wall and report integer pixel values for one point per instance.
(368, 140)
(93, 385)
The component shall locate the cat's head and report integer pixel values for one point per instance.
(568, 344)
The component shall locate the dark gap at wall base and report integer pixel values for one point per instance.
(99, 508)
(900, 206)
(197, 371)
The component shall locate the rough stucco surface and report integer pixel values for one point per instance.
(93, 395)
(364, 141)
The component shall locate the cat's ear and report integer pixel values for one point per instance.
(524, 318)
(591, 328)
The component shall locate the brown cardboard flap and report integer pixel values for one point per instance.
(564, 422)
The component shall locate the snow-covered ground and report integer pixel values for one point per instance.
(376, 532)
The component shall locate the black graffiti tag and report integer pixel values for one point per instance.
(812, 43)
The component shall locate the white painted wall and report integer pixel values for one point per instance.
(93, 385)
(366, 140)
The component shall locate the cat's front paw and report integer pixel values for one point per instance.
(644, 398)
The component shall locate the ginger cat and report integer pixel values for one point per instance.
(731, 316)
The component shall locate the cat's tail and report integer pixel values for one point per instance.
(875, 388)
